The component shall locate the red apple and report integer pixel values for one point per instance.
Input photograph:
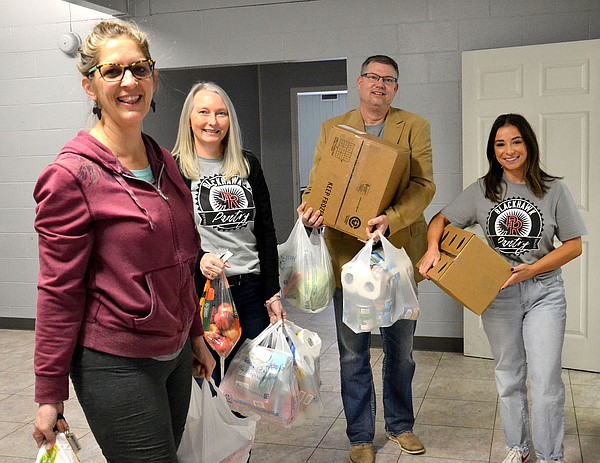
(223, 319)
(233, 334)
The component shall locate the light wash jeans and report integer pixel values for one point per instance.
(358, 391)
(525, 326)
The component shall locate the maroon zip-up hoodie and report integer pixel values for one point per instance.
(117, 258)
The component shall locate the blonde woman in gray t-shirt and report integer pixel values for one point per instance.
(232, 207)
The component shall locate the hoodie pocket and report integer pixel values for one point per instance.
(172, 301)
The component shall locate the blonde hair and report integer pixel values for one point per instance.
(234, 162)
(104, 31)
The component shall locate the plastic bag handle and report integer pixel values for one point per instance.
(393, 253)
(268, 331)
(364, 255)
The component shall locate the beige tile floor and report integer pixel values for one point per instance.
(454, 398)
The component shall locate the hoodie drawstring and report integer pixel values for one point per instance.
(128, 189)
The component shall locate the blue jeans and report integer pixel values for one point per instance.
(358, 391)
(135, 407)
(525, 326)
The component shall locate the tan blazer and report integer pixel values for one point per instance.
(408, 228)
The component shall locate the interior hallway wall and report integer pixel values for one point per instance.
(42, 104)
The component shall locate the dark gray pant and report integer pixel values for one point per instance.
(136, 408)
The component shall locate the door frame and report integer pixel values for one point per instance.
(294, 92)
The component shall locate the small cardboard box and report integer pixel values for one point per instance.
(357, 179)
(469, 270)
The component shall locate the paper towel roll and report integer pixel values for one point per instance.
(363, 282)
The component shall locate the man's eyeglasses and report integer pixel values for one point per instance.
(111, 72)
(374, 78)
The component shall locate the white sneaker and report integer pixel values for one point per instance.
(551, 461)
(515, 455)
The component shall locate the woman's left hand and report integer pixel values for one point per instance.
(275, 310)
(520, 273)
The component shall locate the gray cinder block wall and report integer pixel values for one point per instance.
(42, 104)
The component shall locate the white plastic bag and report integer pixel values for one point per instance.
(305, 271)
(306, 349)
(62, 452)
(213, 434)
(261, 378)
(402, 280)
(378, 288)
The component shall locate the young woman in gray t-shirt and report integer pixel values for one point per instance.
(521, 209)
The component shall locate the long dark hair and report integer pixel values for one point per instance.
(536, 178)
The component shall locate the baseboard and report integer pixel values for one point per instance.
(9, 323)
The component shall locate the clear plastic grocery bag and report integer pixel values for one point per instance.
(306, 349)
(402, 281)
(261, 379)
(378, 288)
(220, 319)
(62, 452)
(305, 271)
(213, 434)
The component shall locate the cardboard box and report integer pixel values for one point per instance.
(357, 179)
(469, 270)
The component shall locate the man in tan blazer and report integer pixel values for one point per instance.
(405, 226)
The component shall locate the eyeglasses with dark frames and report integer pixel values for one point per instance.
(113, 72)
(374, 78)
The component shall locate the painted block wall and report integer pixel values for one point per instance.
(42, 105)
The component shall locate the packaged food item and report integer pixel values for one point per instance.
(261, 378)
(379, 288)
(220, 319)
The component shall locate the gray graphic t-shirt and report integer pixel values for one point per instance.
(521, 227)
(225, 214)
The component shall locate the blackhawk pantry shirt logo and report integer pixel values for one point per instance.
(515, 226)
(225, 205)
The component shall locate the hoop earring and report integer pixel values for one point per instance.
(97, 111)
(153, 105)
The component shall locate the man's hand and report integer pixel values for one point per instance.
(379, 225)
(310, 218)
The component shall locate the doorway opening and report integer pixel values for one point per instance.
(310, 108)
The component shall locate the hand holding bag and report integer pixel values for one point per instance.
(213, 434)
(378, 288)
(305, 270)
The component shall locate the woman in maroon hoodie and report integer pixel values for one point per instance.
(117, 309)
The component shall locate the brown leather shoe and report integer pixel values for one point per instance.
(408, 442)
(362, 453)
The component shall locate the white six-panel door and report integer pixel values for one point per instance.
(557, 88)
